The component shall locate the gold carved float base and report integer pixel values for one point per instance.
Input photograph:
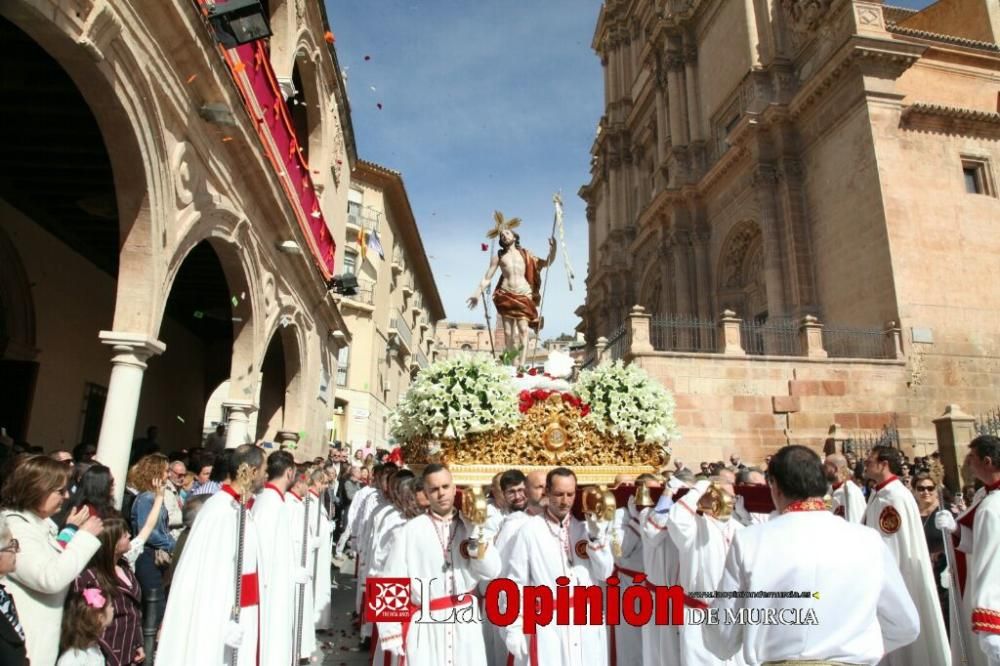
(551, 434)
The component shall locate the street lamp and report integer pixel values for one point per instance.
(238, 22)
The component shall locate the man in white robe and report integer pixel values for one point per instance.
(702, 530)
(977, 532)
(660, 643)
(363, 543)
(436, 552)
(892, 512)
(320, 560)
(198, 626)
(550, 546)
(848, 499)
(860, 608)
(278, 569)
(749, 477)
(304, 544)
(625, 641)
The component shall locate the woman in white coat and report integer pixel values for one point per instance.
(45, 569)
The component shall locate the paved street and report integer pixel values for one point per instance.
(345, 639)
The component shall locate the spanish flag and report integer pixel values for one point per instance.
(362, 244)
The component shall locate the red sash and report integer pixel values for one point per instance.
(439, 604)
(249, 590)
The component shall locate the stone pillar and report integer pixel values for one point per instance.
(893, 340)
(614, 221)
(811, 337)
(600, 347)
(238, 422)
(639, 340)
(682, 273)
(702, 280)
(691, 79)
(730, 340)
(662, 130)
(286, 438)
(128, 363)
(676, 94)
(955, 429)
(764, 183)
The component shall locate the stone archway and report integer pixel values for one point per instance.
(742, 286)
(281, 383)
(651, 292)
(18, 365)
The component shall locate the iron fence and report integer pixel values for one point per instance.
(988, 423)
(772, 337)
(618, 342)
(861, 444)
(855, 343)
(590, 359)
(682, 333)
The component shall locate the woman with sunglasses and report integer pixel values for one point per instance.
(928, 502)
(12, 648)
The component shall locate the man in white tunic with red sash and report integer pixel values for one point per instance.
(892, 512)
(701, 526)
(848, 500)
(977, 533)
(862, 609)
(363, 543)
(436, 553)
(625, 640)
(548, 547)
(279, 570)
(198, 625)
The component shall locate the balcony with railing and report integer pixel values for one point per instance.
(401, 331)
(359, 218)
(398, 260)
(363, 298)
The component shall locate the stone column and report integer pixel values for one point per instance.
(599, 349)
(675, 91)
(691, 79)
(730, 339)
(287, 438)
(955, 429)
(639, 341)
(811, 337)
(702, 276)
(128, 363)
(661, 123)
(238, 422)
(764, 182)
(682, 273)
(893, 340)
(614, 221)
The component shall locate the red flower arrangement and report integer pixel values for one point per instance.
(527, 400)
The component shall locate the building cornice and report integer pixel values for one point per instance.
(951, 120)
(938, 37)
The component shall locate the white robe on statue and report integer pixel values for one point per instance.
(660, 643)
(625, 641)
(277, 574)
(322, 615)
(429, 551)
(863, 606)
(892, 512)
(299, 525)
(702, 545)
(979, 552)
(848, 502)
(541, 552)
(203, 591)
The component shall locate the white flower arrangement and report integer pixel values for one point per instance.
(456, 397)
(624, 401)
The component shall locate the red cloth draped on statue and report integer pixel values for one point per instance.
(522, 306)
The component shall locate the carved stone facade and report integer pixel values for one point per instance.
(194, 193)
(803, 157)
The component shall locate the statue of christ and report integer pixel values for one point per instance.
(518, 292)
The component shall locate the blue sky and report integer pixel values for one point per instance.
(485, 105)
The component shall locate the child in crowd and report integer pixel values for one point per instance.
(85, 618)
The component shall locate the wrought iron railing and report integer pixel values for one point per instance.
(988, 423)
(842, 342)
(773, 337)
(402, 330)
(861, 444)
(618, 343)
(682, 333)
(590, 359)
